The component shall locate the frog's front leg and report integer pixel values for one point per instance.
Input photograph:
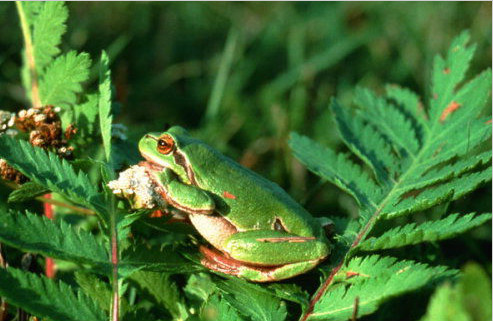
(187, 198)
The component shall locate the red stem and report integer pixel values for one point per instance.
(334, 271)
(49, 263)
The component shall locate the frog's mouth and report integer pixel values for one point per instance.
(152, 166)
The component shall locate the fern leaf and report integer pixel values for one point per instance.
(48, 170)
(63, 79)
(338, 169)
(450, 161)
(252, 301)
(449, 72)
(164, 291)
(48, 28)
(26, 192)
(217, 309)
(57, 239)
(411, 105)
(364, 141)
(105, 117)
(420, 199)
(166, 259)
(98, 290)
(372, 280)
(389, 121)
(46, 298)
(409, 234)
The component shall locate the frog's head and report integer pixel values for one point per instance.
(164, 150)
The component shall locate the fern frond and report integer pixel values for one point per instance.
(99, 291)
(63, 79)
(48, 170)
(48, 28)
(164, 291)
(419, 161)
(336, 168)
(408, 201)
(371, 281)
(57, 239)
(430, 231)
(47, 298)
(389, 121)
(411, 105)
(448, 73)
(252, 301)
(164, 259)
(105, 117)
(26, 192)
(366, 143)
(218, 309)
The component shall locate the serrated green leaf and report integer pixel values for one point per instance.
(63, 79)
(47, 298)
(165, 292)
(85, 116)
(218, 309)
(252, 301)
(418, 161)
(388, 120)
(167, 259)
(99, 291)
(105, 117)
(372, 280)
(26, 192)
(449, 72)
(57, 239)
(409, 234)
(411, 104)
(367, 143)
(336, 168)
(48, 170)
(48, 28)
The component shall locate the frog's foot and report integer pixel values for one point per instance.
(223, 263)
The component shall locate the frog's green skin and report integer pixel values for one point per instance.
(261, 232)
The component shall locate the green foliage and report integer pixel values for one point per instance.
(418, 160)
(48, 170)
(468, 299)
(48, 27)
(406, 159)
(38, 234)
(47, 298)
(372, 280)
(430, 231)
(63, 79)
(252, 301)
(104, 104)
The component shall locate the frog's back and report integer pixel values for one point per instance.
(249, 199)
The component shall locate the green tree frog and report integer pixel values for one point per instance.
(258, 231)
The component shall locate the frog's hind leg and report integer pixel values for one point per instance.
(223, 263)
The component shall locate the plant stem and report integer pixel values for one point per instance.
(114, 261)
(26, 33)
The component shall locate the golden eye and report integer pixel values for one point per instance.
(165, 144)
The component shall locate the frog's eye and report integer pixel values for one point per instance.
(165, 144)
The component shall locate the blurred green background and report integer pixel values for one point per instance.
(243, 75)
